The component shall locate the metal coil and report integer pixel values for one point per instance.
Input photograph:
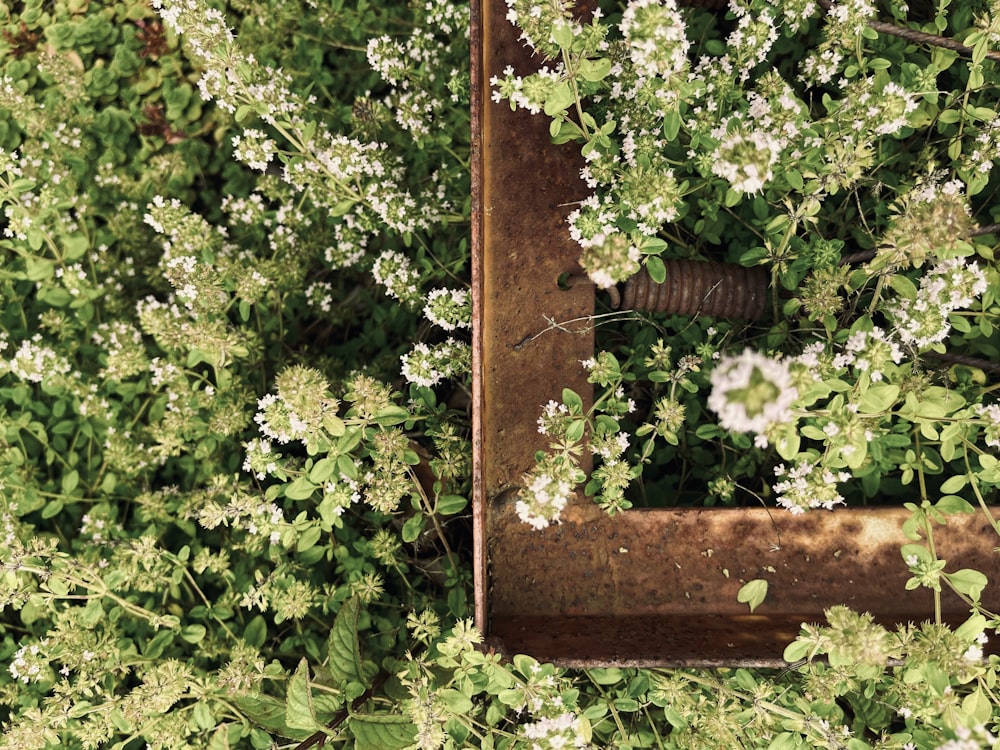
(718, 290)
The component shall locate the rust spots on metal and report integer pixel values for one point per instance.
(529, 336)
(659, 587)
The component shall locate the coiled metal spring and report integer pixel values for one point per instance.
(718, 290)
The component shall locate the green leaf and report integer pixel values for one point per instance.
(70, 482)
(752, 593)
(202, 715)
(977, 708)
(412, 528)
(334, 425)
(158, 644)
(902, 286)
(455, 701)
(918, 551)
(969, 582)
(347, 467)
(605, 675)
(953, 504)
(878, 398)
(255, 633)
(560, 99)
(972, 627)
(342, 207)
(309, 538)
(449, 505)
(267, 713)
(573, 401)
(193, 633)
(38, 269)
(342, 646)
(391, 415)
(322, 470)
(656, 268)
(955, 483)
(594, 70)
(562, 34)
(300, 489)
(575, 430)
(299, 711)
(381, 731)
(672, 125)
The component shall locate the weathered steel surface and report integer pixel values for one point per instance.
(529, 336)
(659, 586)
(645, 587)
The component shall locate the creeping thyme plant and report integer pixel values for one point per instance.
(234, 456)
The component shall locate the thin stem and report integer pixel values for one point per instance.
(979, 496)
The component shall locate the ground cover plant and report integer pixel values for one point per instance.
(235, 443)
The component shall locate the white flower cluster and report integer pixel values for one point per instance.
(975, 651)
(592, 221)
(991, 414)
(547, 490)
(254, 149)
(567, 730)
(751, 392)
(319, 296)
(276, 422)
(395, 272)
(259, 459)
(553, 419)
(976, 738)
(428, 365)
(536, 21)
(122, 344)
(808, 485)
(349, 245)
(871, 352)
(745, 159)
(654, 32)
(29, 663)
(611, 258)
(527, 93)
(35, 362)
(868, 108)
(410, 66)
(948, 286)
(449, 308)
(751, 40)
(774, 108)
(985, 148)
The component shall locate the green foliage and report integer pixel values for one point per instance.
(226, 522)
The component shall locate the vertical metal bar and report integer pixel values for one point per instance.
(528, 335)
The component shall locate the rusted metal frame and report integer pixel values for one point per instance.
(527, 334)
(653, 587)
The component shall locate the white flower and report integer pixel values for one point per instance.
(808, 485)
(654, 31)
(751, 391)
(746, 159)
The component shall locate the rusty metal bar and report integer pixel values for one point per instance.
(654, 587)
(528, 335)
